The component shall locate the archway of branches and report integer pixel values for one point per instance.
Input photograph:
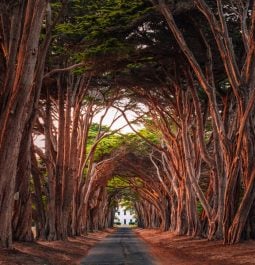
(189, 63)
(128, 177)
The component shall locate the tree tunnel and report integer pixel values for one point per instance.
(183, 71)
(133, 179)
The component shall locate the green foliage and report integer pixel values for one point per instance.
(106, 145)
(93, 131)
(110, 46)
(139, 146)
(126, 194)
(127, 202)
(99, 27)
(199, 208)
(111, 143)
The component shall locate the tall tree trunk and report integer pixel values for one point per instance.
(49, 154)
(14, 117)
(41, 226)
(22, 214)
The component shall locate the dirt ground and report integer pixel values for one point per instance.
(52, 253)
(167, 249)
(176, 250)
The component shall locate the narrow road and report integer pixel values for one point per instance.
(123, 247)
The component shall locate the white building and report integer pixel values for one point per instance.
(124, 216)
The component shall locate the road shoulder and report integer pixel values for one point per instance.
(183, 250)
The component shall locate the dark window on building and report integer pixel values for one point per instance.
(125, 212)
(118, 213)
(125, 222)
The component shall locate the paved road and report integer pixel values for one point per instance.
(121, 248)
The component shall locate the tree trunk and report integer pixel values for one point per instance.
(22, 215)
(14, 117)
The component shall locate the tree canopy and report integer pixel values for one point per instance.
(186, 72)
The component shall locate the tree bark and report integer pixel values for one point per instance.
(13, 117)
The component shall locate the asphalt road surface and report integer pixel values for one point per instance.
(120, 248)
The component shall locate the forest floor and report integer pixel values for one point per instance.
(164, 246)
(182, 250)
(68, 252)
